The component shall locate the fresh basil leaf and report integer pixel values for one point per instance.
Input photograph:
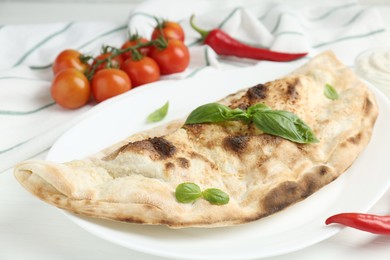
(187, 192)
(284, 124)
(159, 114)
(216, 196)
(214, 113)
(330, 92)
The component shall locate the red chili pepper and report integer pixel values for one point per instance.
(224, 44)
(367, 222)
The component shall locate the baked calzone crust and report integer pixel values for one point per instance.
(135, 181)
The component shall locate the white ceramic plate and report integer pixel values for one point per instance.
(296, 227)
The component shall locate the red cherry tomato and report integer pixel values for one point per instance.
(70, 89)
(132, 42)
(174, 58)
(107, 83)
(141, 71)
(170, 30)
(69, 59)
(116, 62)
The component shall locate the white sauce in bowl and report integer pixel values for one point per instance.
(374, 66)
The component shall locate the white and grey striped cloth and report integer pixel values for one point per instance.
(30, 121)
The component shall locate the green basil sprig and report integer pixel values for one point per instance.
(159, 114)
(274, 122)
(330, 92)
(188, 192)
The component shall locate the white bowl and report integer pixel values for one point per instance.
(374, 66)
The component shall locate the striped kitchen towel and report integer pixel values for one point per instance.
(30, 120)
(347, 28)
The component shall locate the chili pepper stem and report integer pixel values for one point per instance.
(203, 33)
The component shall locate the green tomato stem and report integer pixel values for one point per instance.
(116, 52)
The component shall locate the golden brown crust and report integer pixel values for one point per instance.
(134, 181)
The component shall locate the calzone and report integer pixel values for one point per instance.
(135, 181)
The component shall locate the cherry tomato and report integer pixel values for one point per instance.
(132, 42)
(141, 71)
(107, 83)
(70, 89)
(170, 30)
(116, 62)
(69, 59)
(172, 59)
